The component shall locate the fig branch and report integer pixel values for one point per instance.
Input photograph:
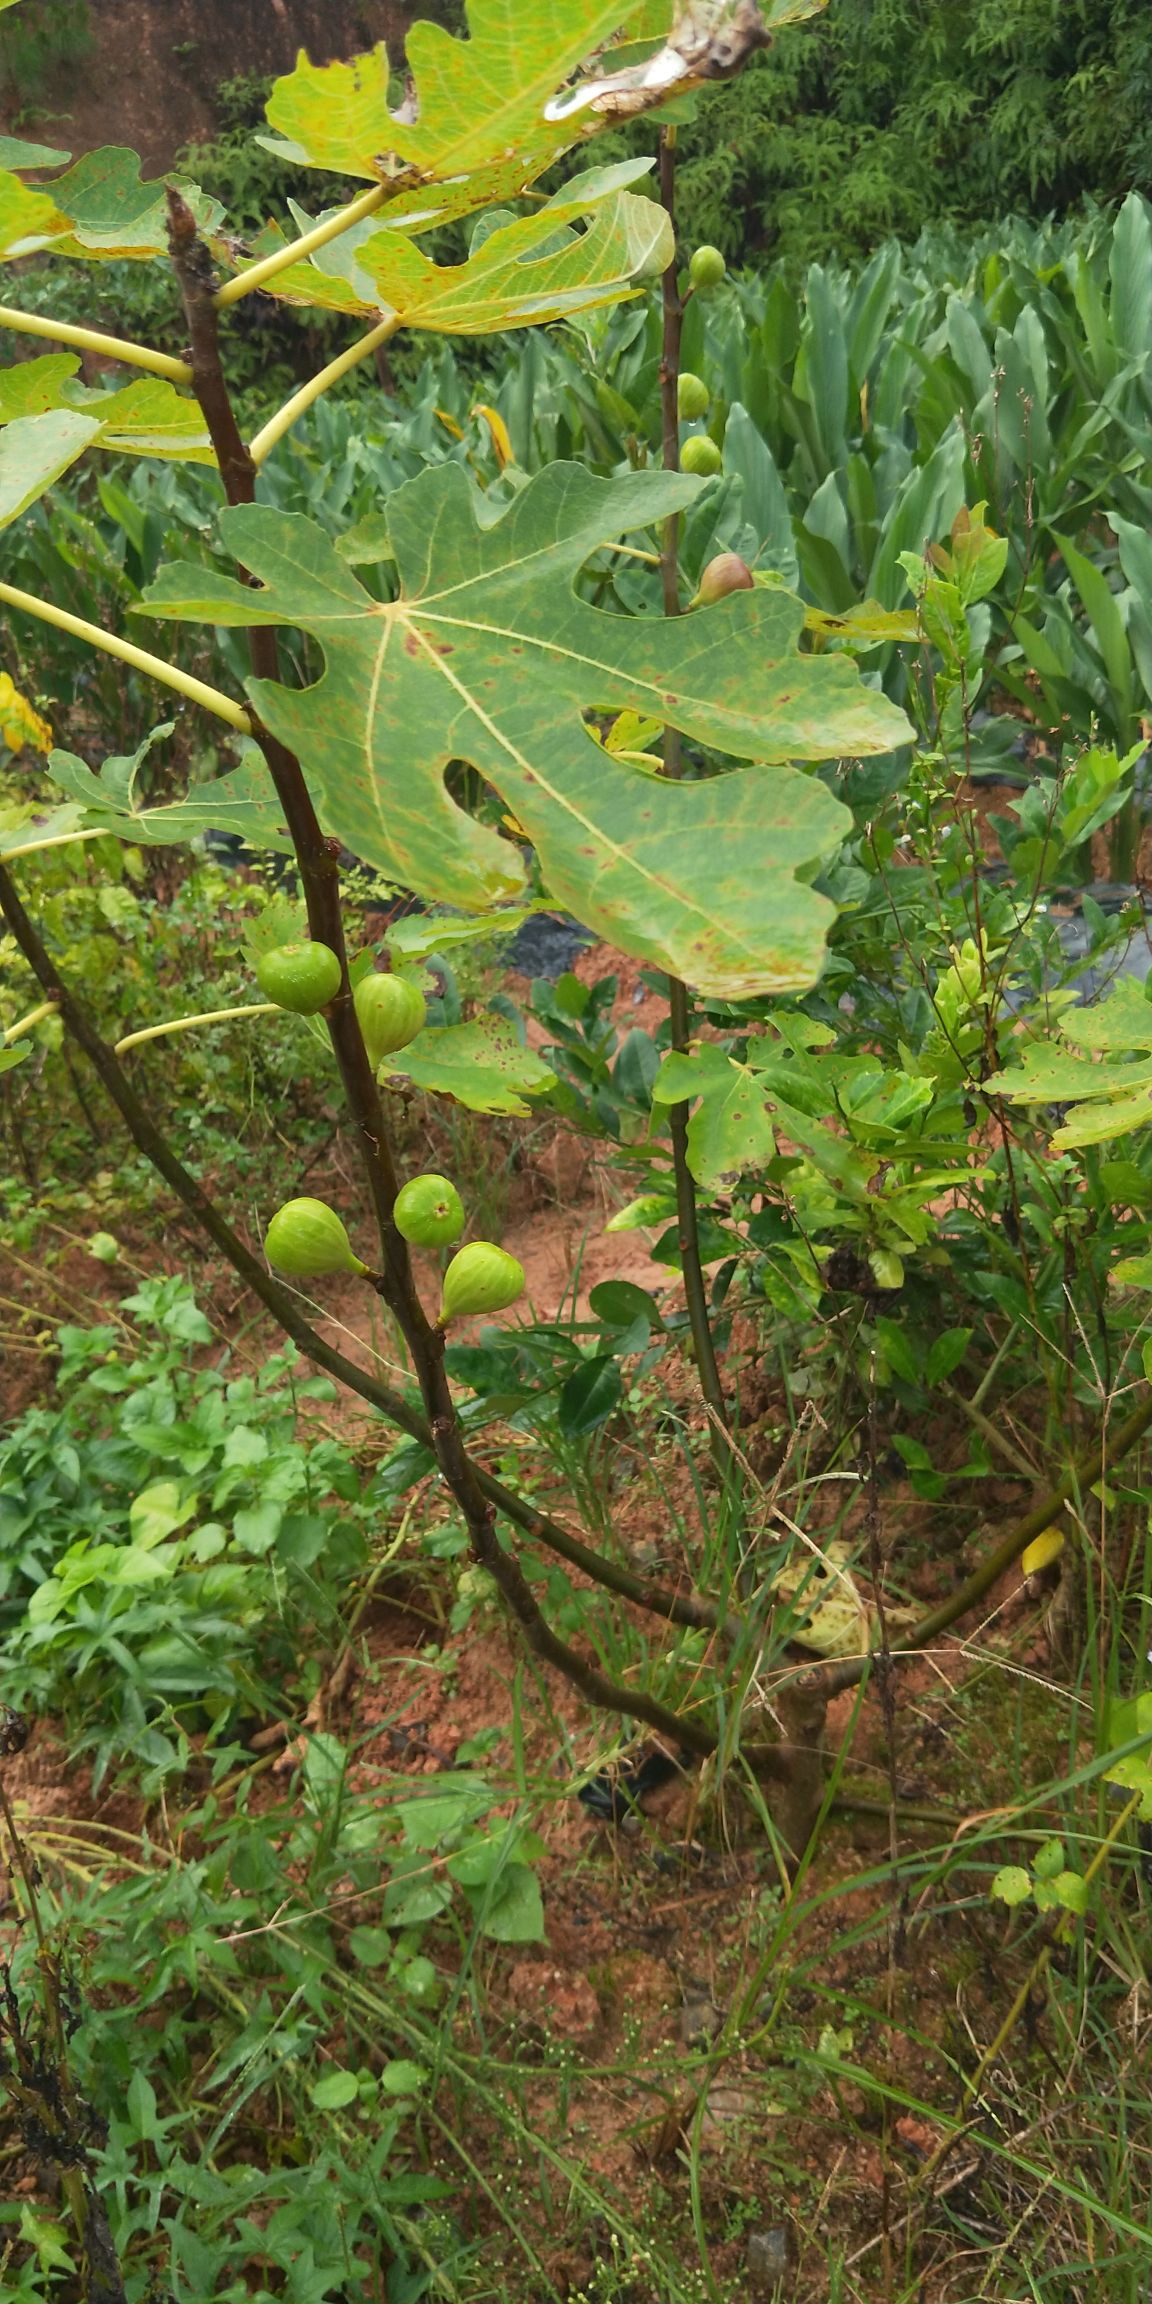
(688, 1229)
(318, 861)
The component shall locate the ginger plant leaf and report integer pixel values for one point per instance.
(489, 655)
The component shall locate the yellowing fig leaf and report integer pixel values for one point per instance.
(489, 655)
(29, 220)
(836, 1618)
(479, 103)
(21, 728)
(51, 418)
(112, 213)
(482, 1066)
(534, 269)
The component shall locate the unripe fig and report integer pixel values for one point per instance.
(726, 573)
(706, 267)
(701, 455)
(303, 977)
(692, 396)
(480, 1278)
(307, 1240)
(392, 1010)
(429, 1212)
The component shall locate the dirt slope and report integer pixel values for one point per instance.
(151, 76)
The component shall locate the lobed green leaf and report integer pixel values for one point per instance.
(489, 655)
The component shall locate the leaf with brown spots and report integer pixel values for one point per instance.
(489, 655)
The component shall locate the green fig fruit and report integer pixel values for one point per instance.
(307, 1240)
(480, 1278)
(701, 455)
(692, 396)
(726, 573)
(392, 1010)
(303, 977)
(429, 1212)
(706, 268)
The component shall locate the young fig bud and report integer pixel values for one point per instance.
(480, 1278)
(706, 267)
(726, 573)
(701, 456)
(692, 396)
(307, 1241)
(392, 1010)
(429, 1212)
(303, 977)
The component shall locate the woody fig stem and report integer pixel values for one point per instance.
(679, 1014)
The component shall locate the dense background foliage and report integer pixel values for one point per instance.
(888, 115)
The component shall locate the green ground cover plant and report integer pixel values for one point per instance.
(461, 662)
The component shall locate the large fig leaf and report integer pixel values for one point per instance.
(477, 125)
(112, 213)
(535, 269)
(488, 655)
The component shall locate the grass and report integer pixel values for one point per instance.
(857, 1994)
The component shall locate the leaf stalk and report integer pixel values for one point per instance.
(688, 1228)
(276, 427)
(257, 274)
(169, 675)
(189, 1023)
(94, 340)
